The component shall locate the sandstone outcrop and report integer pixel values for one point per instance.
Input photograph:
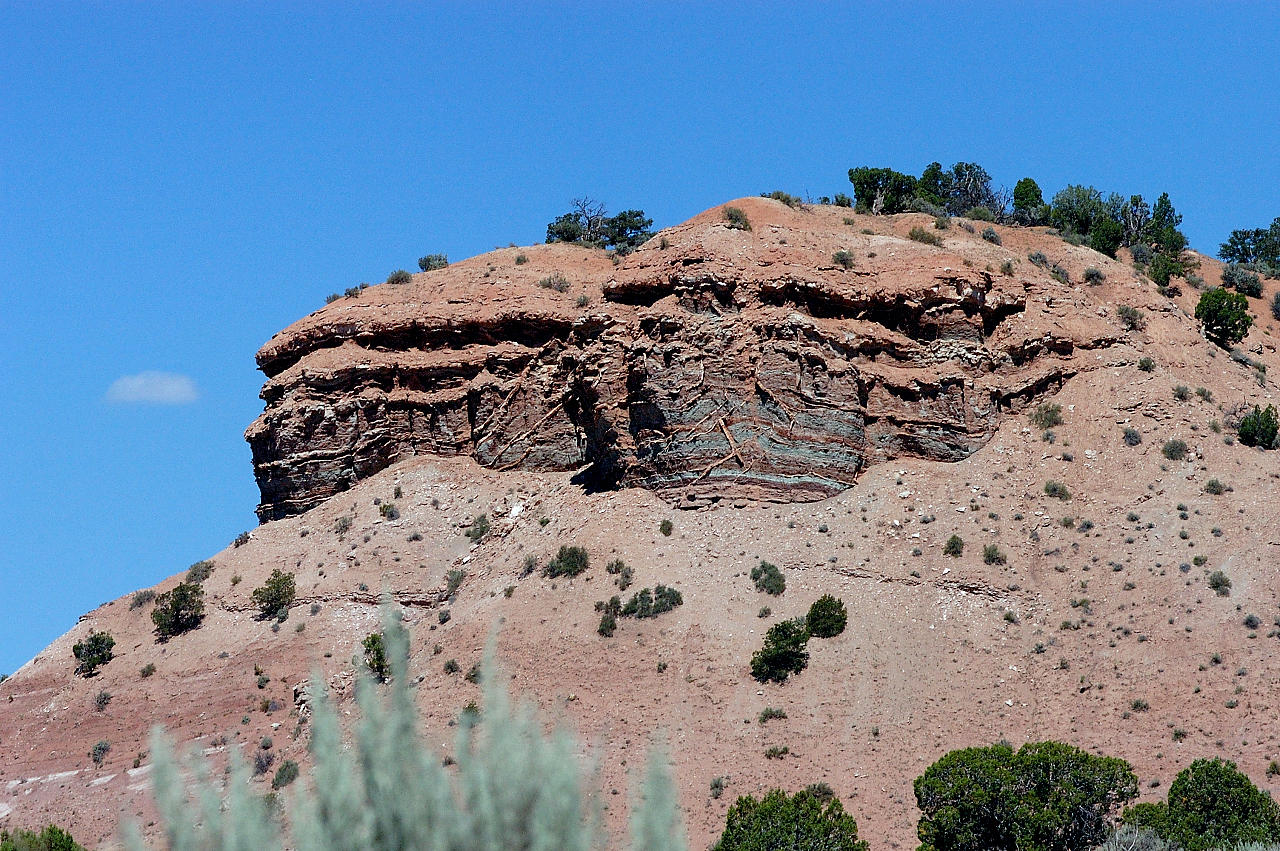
(711, 363)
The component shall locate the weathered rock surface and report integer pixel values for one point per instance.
(728, 363)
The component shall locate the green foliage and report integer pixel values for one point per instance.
(432, 262)
(843, 259)
(1106, 236)
(881, 190)
(1093, 276)
(768, 578)
(784, 652)
(99, 752)
(1028, 203)
(1131, 318)
(93, 652)
(388, 511)
(736, 218)
(480, 527)
(1057, 490)
(1253, 245)
(52, 838)
(1220, 584)
(1047, 796)
(807, 821)
(785, 197)
(627, 231)
(991, 554)
(1146, 364)
(646, 604)
(990, 235)
(399, 276)
(178, 611)
(199, 572)
(375, 656)
(141, 598)
(1211, 805)
(513, 785)
(589, 224)
(555, 281)
(1132, 437)
(1076, 209)
(1174, 450)
(1259, 427)
(827, 617)
(1046, 415)
(1242, 281)
(1037, 258)
(570, 561)
(919, 234)
(954, 547)
(666, 528)
(285, 774)
(274, 595)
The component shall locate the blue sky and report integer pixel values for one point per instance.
(179, 181)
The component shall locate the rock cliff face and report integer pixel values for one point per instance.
(711, 363)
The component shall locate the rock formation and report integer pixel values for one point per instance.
(711, 363)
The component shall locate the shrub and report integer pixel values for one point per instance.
(453, 580)
(1059, 274)
(432, 262)
(480, 527)
(990, 235)
(980, 214)
(646, 604)
(1211, 804)
(784, 652)
(1259, 427)
(52, 838)
(1174, 450)
(1093, 277)
(666, 528)
(1146, 364)
(93, 652)
(274, 595)
(570, 561)
(1132, 437)
(399, 276)
(843, 259)
(808, 820)
(1046, 415)
(1057, 490)
(769, 713)
(99, 752)
(514, 785)
(375, 656)
(827, 617)
(1006, 268)
(388, 511)
(785, 197)
(736, 218)
(919, 234)
(178, 611)
(285, 774)
(141, 598)
(199, 572)
(1046, 796)
(768, 578)
(954, 547)
(1252, 621)
(942, 222)
(1037, 258)
(1181, 392)
(1224, 316)
(608, 623)
(881, 190)
(1242, 281)
(991, 555)
(147, 670)
(555, 281)
(1131, 318)
(1220, 584)
(101, 700)
(522, 259)
(1213, 487)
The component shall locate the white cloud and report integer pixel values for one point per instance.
(160, 388)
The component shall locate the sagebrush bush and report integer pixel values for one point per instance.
(843, 259)
(511, 786)
(1046, 415)
(1146, 364)
(555, 281)
(1132, 437)
(1037, 258)
(432, 262)
(1242, 281)
(768, 578)
(141, 598)
(990, 235)
(919, 234)
(399, 276)
(736, 218)
(1131, 318)
(1174, 450)
(954, 547)
(1093, 276)
(199, 572)
(570, 561)
(991, 554)
(1057, 490)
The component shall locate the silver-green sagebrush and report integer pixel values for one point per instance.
(513, 787)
